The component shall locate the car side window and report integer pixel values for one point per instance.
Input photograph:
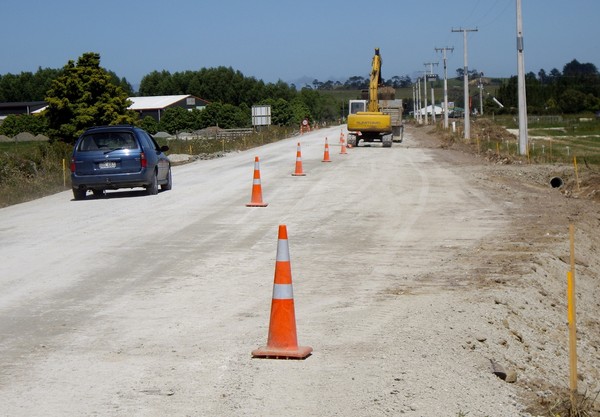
(151, 143)
(156, 146)
(147, 144)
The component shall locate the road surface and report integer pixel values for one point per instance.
(135, 305)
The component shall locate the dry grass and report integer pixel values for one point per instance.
(30, 170)
(560, 404)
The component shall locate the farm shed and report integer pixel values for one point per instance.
(155, 106)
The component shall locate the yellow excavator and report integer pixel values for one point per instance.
(370, 125)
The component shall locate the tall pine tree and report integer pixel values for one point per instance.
(85, 95)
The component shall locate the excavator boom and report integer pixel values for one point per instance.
(374, 82)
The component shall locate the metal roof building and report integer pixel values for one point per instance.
(154, 106)
(22, 107)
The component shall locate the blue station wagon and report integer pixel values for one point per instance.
(122, 156)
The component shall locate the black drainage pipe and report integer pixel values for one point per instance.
(556, 182)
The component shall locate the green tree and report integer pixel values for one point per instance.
(282, 113)
(85, 95)
(121, 82)
(230, 117)
(176, 119)
(301, 111)
(507, 93)
(225, 116)
(356, 83)
(572, 101)
(321, 107)
(26, 86)
(244, 116)
(221, 84)
(149, 124)
(277, 91)
(551, 106)
(577, 69)
(15, 124)
(592, 103)
(157, 84)
(209, 116)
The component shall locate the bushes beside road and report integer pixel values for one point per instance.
(30, 170)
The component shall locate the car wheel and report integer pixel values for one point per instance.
(79, 194)
(152, 189)
(169, 184)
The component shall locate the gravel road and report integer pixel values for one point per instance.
(411, 266)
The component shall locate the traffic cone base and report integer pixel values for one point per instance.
(266, 352)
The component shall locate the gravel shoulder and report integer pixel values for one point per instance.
(520, 276)
(414, 269)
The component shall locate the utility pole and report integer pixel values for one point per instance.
(481, 93)
(431, 64)
(432, 103)
(414, 102)
(443, 50)
(523, 145)
(425, 95)
(419, 101)
(466, 81)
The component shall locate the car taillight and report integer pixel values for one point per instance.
(143, 160)
(72, 164)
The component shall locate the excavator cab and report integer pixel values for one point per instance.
(354, 106)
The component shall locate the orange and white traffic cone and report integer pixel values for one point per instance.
(282, 342)
(256, 200)
(343, 151)
(341, 136)
(326, 153)
(298, 172)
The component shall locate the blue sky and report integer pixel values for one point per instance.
(290, 40)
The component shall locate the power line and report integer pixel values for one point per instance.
(472, 12)
(496, 16)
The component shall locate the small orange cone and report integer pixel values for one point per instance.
(298, 172)
(326, 153)
(341, 136)
(343, 151)
(256, 188)
(282, 342)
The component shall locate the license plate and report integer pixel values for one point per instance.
(107, 164)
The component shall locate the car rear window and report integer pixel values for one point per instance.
(107, 141)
